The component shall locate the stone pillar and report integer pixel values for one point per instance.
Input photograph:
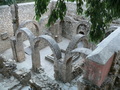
(35, 59)
(63, 72)
(20, 50)
(57, 68)
(68, 70)
(13, 46)
(56, 31)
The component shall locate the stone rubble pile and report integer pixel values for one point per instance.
(40, 81)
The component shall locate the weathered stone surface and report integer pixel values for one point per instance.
(23, 75)
(43, 82)
(71, 27)
(4, 36)
(75, 40)
(56, 31)
(78, 68)
(84, 51)
(13, 45)
(7, 66)
(36, 24)
(19, 46)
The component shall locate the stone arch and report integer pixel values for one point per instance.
(84, 51)
(53, 45)
(67, 63)
(20, 50)
(75, 40)
(36, 24)
(82, 28)
(19, 42)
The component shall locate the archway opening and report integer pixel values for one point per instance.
(81, 32)
(51, 49)
(22, 56)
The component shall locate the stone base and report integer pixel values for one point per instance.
(43, 82)
(23, 75)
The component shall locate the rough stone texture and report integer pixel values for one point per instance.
(35, 23)
(4, 36)
(75, 40)
(56, 31)
(9, 83)
(7, 66)
(71, 27)
(6, 20)
(43, 82)
(54, 47)
(19, 43)
(84, 51)
(106, 48)
(26, 12)
(23, 75)
(77, 68)
(64, 72)
(5, 25)
(18, 50)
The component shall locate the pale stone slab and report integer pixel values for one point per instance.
(106, 48)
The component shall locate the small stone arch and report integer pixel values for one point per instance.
(67, 63)
(19, 42)
(53, 45)
(83, 28)
(75, 40)
(18, 49)
(36, 24)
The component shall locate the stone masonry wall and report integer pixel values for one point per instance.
(26, 12)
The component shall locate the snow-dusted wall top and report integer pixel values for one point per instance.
(106, 48)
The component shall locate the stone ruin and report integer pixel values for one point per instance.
(89, 68)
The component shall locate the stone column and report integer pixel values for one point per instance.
(13, 46)
(35, 59)
(68, 70)
(63, 72)
(20, 50)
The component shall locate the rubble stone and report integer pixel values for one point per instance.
(4, 35)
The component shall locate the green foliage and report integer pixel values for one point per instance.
(10, 2)
(97, 13)
(2, 2)
(58, 12)
(79, 4)
(100, 13)
(40, 8)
